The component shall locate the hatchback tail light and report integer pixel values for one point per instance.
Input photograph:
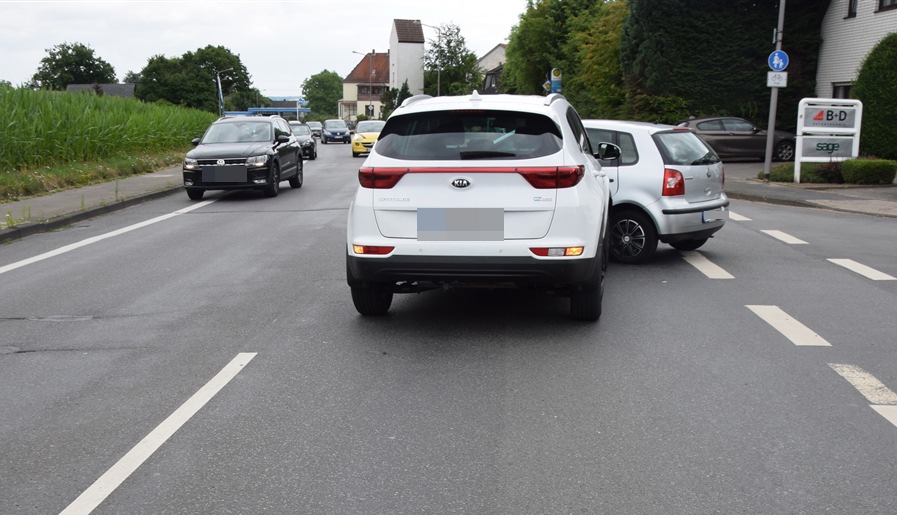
(673, 183)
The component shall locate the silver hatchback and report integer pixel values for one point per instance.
(667, 186)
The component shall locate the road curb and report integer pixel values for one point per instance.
(24, 229)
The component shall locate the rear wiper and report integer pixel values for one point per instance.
(484, 154)
(706, 160)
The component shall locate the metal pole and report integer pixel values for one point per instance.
(371, 83)
(773, 100)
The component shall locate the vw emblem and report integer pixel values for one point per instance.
(219, 162)
(460, 183)
(709, 175)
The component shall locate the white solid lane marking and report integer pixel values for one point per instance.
(88, 241)
(705, 266)
(865, 271)
(795, 331)
(787, 238)
(872, 389)
(738, 218)
(108, 482)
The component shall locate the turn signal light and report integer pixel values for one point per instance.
(370, 249)
(557, 251)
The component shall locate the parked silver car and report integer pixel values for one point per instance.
(666, 186)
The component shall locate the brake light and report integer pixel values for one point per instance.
(380, 178)
(557, 251)
(370, 249)
(673, 183)
(551, 177)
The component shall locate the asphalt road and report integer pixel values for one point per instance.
(156, 360)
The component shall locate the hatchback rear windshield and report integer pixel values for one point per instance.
(469, 134)
(682, 147)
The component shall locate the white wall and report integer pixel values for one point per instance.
(406, 62)
(847, 41)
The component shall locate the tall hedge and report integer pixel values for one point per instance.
(876, 87)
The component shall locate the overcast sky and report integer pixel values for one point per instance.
(281, 43)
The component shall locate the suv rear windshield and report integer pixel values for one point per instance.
(469, 134)
(681, 147)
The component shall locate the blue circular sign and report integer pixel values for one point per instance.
(778, 61)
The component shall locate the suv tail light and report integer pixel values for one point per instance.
(673, 183)
(539, 177)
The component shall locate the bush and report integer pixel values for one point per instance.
(876, 86)
(816, 173)
(869, 171)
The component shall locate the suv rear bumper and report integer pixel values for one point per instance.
(515, 271)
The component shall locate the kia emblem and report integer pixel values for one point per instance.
(460, 183)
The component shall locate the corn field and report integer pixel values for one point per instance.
(44, 128)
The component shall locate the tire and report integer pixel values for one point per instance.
(371, 300)
(273, 189)
(314, 154)
(784, 151)
(296, 180)
(355, 154)
(324, 140)
(633, 237)
(688, 244)
(195, 193)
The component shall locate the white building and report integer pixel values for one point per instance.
(850, 29)
(406, 55)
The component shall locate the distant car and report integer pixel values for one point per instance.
(315, 128)
(243, 152)
(306, 140)
(366, 132)
(335, 130)
(499, 191)
(736, 137)
(667, 185)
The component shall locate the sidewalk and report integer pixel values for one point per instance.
(50, 212)
(56, 210)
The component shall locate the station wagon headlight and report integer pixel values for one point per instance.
(257, 160)
(358, 137)
(191, 164)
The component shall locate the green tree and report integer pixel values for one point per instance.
(536, 45)
(191, 80)
(71, 63)
(450, 68)
(393, 98)
(876, 86)
(322, 91)
(131, 78)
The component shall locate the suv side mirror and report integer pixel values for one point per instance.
(608, 151)
(283, 139)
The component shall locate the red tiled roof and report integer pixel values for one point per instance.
(361, 74)
(409, 31)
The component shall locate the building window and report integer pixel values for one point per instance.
(852, 8)
(841, 90)
(884, 5)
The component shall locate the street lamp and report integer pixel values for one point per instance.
(438, 50)
(370, 81)
(220, 93)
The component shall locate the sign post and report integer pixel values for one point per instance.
(777, 61)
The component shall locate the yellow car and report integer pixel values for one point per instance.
(366, 133)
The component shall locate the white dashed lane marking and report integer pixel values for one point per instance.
(738, 218)
(705, 266)
(881, 398)
(865, 271)
(785, 237)
(798, 333)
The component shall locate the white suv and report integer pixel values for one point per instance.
(667, 185)
(496, 190)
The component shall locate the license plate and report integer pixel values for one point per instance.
(715, 215)
(224, 174)
(460, 224)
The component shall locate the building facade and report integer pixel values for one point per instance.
(406, 51)
(850, 29)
